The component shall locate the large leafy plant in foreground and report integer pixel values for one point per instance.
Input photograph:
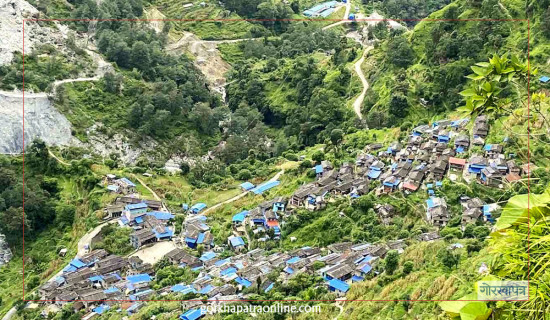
(490, 80)
(521, 246)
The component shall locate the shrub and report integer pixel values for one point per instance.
(244, 174)
(408, 266)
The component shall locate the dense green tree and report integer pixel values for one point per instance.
(399, 52)
(391, 262)
(449, 258)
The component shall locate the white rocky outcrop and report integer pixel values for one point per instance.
(12, 16)
(42, 121)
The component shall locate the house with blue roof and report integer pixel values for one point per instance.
(163, 233)
(236, 243)
(161, 215)
(443, 136)
(318, 171)
(139, 278)
(101, 308)
(476, 163)
(459, 124)
(247, 186)
(321, 10)
(192, 314)
(126, 186)
(265, 186)
(544, 79)
(243, 282)
(363, 270)
(196, 208)
(391, 184)
(184, 289)
(239, 218)
(134, 211)
(338, 286)
(141, 295)
(207, 256)
(375, 170)
(279, 204)
(113, 188)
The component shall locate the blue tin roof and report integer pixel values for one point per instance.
(293, 260)
(208, 256)
(111, 290)
(236, 241)
(243, 282)
(247, 185)
(228, 271)
(101, 308)
(161, 215)
(144, 277)
(265, 186)
(239, 217)
(192, 314)
(339, 285)
(198, 207)
(134, 206)
(128, 182)
(269, 288)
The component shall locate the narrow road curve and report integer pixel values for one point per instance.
(344, 20)
(155, 195)
(359, 101)
(56, 158)
(10, 314)
(339, 305)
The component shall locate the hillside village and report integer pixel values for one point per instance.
(225, 268)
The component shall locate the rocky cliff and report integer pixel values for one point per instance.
(42, 121)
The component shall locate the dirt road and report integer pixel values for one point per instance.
(359, 101)
(344, 20)
(214, 207)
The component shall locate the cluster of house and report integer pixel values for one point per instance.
(119, 185)
(95, 279)
(262, 219)
(344, 181)
(145, 217)
(432, 151)
(98, 281)
(474, 209)
(197, 233)
(5, 252)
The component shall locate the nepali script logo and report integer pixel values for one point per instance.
(502, 290)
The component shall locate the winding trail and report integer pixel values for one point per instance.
(239, 196)
(339, 305)
(344, 20)
(10, 314)
(359, 101)
(56, 158)
(155, 195)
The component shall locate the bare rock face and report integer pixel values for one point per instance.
(42, 121)
(12, 15)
